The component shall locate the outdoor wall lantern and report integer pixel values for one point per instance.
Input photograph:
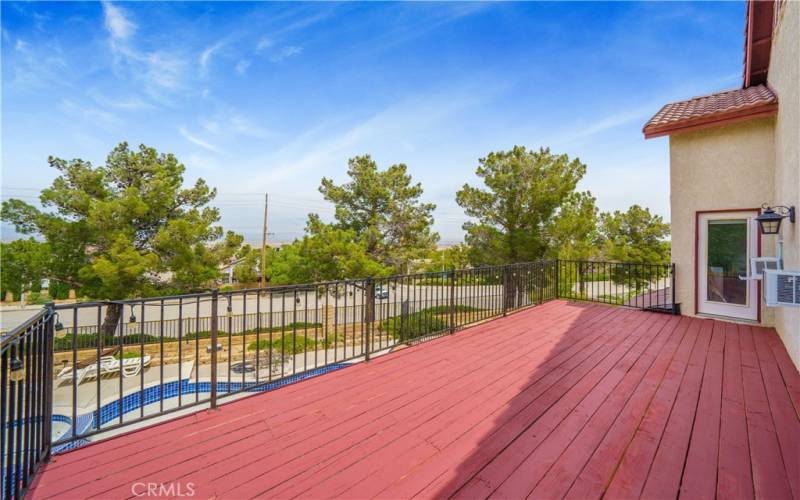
(17, 371)
(132, 319)
(61, 332)
(770, 219)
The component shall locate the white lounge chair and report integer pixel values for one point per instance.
(108, 365)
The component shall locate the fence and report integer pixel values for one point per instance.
(25, 402)
(640, 285)
(113, 364)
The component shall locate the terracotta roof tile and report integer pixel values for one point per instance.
(710, 109)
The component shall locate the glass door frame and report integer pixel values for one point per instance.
(750, 312)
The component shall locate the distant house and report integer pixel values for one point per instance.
(730, 153)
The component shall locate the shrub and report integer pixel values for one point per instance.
(415, 325)
(288, 344)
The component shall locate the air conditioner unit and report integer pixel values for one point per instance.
(759, 264)
(782, 288)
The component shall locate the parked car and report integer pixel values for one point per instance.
(381, 293)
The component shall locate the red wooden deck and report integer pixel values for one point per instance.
(563, 400)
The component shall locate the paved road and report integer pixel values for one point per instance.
(293, 304)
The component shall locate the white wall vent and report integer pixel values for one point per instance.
(782, 288)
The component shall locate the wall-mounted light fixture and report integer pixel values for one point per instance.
(771, 217)
(132, 319)
(17, 366)
(61, 332)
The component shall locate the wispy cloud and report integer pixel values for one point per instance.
(263, 44)
(208, 53)
(87, 112)
(197, 141)
(242, 66)
(117, 22)
(34, 68)
(242, 126)
(331, 144)
(232, 124)
(159, 70)
(127, 103)
(286, 53)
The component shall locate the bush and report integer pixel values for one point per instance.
(446, 309)
(288, 344)
(87, 340)
(415, 325)
(37, 298)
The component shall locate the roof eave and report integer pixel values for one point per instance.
(738, 115)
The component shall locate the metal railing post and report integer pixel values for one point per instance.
(369, 317)
(452, 301)
(672, 287)
(558, 281)
(539, 280)
(48, 380)
(214, 333)
(505, 290)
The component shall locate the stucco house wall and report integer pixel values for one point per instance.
(784, 75)
(721, 168)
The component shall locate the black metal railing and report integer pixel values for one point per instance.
(117, 363)
(112, 364)
(639, 285)
(25, 402)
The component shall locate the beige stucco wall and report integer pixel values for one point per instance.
(784, 78)
(720, 168)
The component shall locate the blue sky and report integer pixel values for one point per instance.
(259, 97)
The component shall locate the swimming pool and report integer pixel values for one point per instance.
(63, 425)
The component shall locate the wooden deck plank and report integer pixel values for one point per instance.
(700, 470)
(610, 395)
(609, 452)
(144, 465)
(447, 426)
(791, 377)
(347, 426)
(481, 439)
(769, 479)
(734, 478)
(175, 430)
(245, 423)
(787, 424)
(562, 399)
(664, 478)
(501, 466)
(374, 443)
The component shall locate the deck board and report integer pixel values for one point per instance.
(564, 399)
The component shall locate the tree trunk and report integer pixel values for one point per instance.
(582, 278)
(110, 322)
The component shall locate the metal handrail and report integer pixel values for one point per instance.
(9, 337)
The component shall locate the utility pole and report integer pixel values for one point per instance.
(264, 244)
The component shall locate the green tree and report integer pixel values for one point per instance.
(450, 258)
(116, 231)
(326, 252)
(635, 236)
(246, 270)
(24, 263)
(572, 234)
(515, 212)
(383, 208)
